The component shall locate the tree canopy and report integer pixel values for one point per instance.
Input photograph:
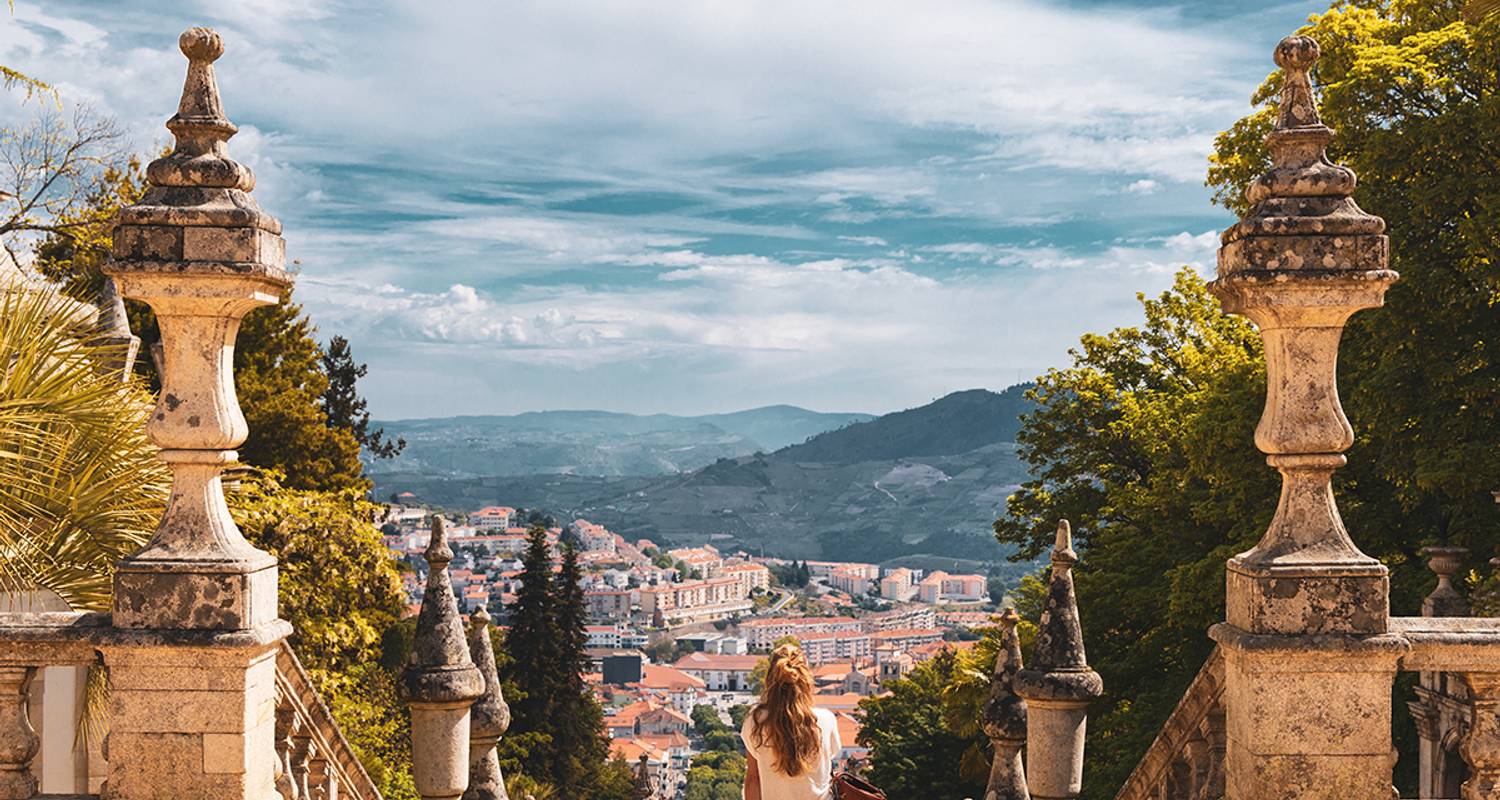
(1145, 441)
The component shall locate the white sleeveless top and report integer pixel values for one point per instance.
(817, 784)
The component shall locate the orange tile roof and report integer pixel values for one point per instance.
(657, 676)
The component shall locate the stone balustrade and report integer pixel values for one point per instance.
(1186, 760)
(311, 752)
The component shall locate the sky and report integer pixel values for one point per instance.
(695, 206)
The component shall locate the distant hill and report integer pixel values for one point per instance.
(599, 443)
(956, 423)
(928, 480)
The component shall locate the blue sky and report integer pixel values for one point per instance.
(695, 206)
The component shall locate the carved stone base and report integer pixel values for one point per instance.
(1307, 599)
(192, 721)
(1308, 716)
(195, 596)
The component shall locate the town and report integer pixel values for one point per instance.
(677, 634)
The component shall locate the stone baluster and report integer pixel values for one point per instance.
(18, 740)
(489, 717)
(1196, 756)
(304, 750)
(193, 685)
(1481, 744)
(1004, 718)
(1308, 668)
(286, 729)
(321, 779)
(1058, 686)
(1213, 732)
(440, 683)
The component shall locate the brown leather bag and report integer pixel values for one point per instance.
(848, 786)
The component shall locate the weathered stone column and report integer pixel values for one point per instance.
(1481, 745)
(18, 740)
(1308, 672)
(489, 717)
(441, 683)
(192, 669)
(1058, 686)
(1004, 719)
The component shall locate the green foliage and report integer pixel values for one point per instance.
(343, 405)
(339, 585)
(716, 735)
(80, 485)
(1146, 444)
(341, 591)
(716, 775)
(279, 376)
(914, 752)
(792, 574)
(557, 727)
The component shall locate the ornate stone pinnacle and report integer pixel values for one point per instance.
(489, 717)
(441, 668)
(201, 252)
(1063, 554)
(438, 553)
(1304, 217)
(440, 682)
(1059, 642)
(1296, 56)
(1058, 686)
(1004, 716)
(1303, 261)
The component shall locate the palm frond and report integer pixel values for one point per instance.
(80, 484)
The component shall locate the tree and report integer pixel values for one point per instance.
(344, 406)
(716, 775)
(280, 381)
(913, 753)
(533, 637)
(340, 587)
(1145, 442)
(577, 723)
(50, 169)
(342, 592)
(80, 485)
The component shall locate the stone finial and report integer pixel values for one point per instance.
(114, 330)
(440, 682)
(489, 717)
(1058, 686)
(201, 252)
(645, 787)
(1004, 717)
(1303, 261)
(1445, 601)
(1059, 641)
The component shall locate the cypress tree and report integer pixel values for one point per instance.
(532, 643)
(578, 723)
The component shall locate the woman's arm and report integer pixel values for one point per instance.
(752, 778)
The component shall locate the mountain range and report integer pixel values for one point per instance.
(924, 481)
(595, 443)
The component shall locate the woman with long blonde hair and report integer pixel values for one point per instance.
(790, 745)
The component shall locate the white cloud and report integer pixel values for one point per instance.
(1143, 186)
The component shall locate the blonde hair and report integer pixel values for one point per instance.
(784, 719)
